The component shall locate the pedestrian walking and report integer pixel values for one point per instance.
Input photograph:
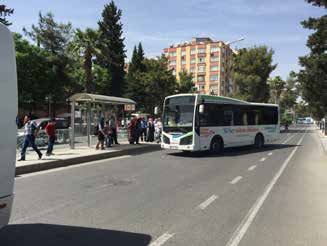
(144, 126)
(101, 135)
(30, 132)
(113, 126)
(50, 130)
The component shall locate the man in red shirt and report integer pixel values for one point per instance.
(50, 129)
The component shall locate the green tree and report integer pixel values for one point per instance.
(313, 76)
(54, 38)
(4, 12)
(276, 85)
(251, 70)
(135, 83)
(159, 82)
(290, 94)
(34, 73)
(185, 83)
(111, 44)
(84, 44)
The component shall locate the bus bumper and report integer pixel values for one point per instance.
(178, 147)
(5, 209)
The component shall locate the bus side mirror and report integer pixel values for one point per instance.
(156, 110)
(201, 108)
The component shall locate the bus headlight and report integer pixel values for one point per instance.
(186, 141)
(166, 139)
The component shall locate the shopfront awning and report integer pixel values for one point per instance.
(94, 98)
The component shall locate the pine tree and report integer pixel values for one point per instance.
(135, 84)
(4, 12)
(112, 47)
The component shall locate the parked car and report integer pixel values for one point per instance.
(62, 126)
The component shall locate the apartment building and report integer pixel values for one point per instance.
(208, 61)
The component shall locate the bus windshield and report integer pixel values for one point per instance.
(178, 114)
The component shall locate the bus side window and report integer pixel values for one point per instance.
(228, 118)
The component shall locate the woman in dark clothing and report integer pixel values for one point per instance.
(101, 134)
(132, 131)
(150, 132)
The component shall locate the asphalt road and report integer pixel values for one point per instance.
(276, 196)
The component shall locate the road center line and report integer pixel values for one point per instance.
(235, 180)
(270, 153)
(252, 168)
(263, 159)
(248, 219)
(162, 239)
(207, 202)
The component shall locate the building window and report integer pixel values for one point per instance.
(192, 70)
(201, 59)
(193, 61)
(183, 53)
(214, 49)
(214, 58)
(201, 50)
(200, 87)
(222, 69)
(172, 54)
(172, 63)
(200, 78)
(223, 50)
(214, 68)
(193, 52)
(183, 62)
(201, 69)
(174, 72)
(213, 77)
(222, 87)
(213, 89)
(193, 79)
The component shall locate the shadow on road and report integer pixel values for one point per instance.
(61, 235)
(235, 151)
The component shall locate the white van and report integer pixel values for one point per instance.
(8, 128)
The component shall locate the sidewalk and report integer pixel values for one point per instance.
(323, 140)
(64, 156)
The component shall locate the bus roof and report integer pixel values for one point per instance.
(224, 100)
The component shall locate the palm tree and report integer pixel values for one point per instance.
(84, 44)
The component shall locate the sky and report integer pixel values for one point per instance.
(157, 23)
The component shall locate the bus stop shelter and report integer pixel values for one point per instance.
(94, 106)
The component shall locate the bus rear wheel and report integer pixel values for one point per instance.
(217, 145)
(259, 141)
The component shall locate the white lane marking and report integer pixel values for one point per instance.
(270, 153)
(207, 202)
(162, 239)
(252, 167)
(248, 219)
(263, 159)
(72, 166)
(235, 180)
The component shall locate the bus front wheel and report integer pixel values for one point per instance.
(217, 145)
(259, 141)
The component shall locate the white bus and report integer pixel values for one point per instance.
(8, 128)
(194, 122)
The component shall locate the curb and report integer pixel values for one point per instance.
(82, 159)
(321, 136)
